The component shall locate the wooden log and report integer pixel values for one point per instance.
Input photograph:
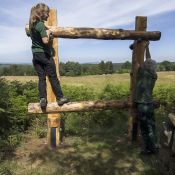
(82, 106)
(101, 33)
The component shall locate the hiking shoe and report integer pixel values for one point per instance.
(43, 103)
(62, 100)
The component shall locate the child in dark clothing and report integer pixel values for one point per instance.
(146, 79)
(42, 54)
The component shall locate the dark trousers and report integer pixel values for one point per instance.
(147, 125)
(44, 65)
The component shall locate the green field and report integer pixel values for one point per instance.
(100, 81)
(96, 143)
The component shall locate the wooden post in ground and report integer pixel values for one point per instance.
(53, 120)
(137, 60)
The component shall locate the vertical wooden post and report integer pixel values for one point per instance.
(53, 120)
(137, 60)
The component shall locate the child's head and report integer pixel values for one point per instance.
(38, 13)
(150, 65)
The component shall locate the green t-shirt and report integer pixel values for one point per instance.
(37, 33)
(144, 86)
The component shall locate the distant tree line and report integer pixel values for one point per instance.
(166, 66)
(162, 66)
(74, 68)
(71, 68)
(17, 70)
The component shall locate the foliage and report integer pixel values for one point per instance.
(99, 149)
(165, 94)
(17, 70)
(162, 66)
(106, 68)
(126, 65)
(81, 123)
(71, 68)
(78, 93)
(166, 66)
(6, 171)
(14, 121)
(14, 97)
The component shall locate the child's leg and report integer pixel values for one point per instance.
(51, 71)
(39, 67)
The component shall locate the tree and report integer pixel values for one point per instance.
(72, 68)
(102, 67)
(109, 67)
(62, 68)
(168, 66)
(126, 65)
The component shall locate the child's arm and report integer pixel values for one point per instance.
(47, 39)
(148, 55)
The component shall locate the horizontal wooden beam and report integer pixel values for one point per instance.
(34, 108)
(101, 33)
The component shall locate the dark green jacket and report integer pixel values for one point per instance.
(144, 86)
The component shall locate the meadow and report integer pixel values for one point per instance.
(100, 81)
(95, 142)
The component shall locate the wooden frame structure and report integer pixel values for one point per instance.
(53, 110)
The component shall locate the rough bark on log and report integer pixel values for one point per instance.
(78, 106)
(101, 33)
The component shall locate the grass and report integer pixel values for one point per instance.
(98, 155)
(100, 81)
(97, 151)
(107, 152)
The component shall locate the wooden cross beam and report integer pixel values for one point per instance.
(101, 33)
(53, 109)
(81, 106)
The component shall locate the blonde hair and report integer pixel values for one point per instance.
(37, 13)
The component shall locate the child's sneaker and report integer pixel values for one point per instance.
(43, 103)
(62, 100)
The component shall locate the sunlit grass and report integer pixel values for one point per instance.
(100, 81)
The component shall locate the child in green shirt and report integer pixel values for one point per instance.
(42, 54)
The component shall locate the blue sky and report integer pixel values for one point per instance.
(15, 46)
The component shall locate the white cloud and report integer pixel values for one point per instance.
(109, 13)
(77, 13)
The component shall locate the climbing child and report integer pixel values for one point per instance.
(42, 54)
(146, 78)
